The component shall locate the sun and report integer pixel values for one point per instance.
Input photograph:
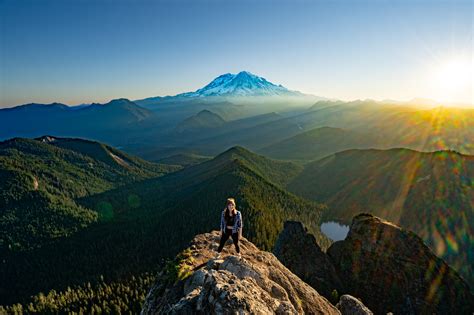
(452, 80)
(454, 76)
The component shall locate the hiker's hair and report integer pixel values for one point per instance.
(229, 201)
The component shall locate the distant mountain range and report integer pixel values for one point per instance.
(279, 129)
(104, 121)
(245, 109)
(345, 125)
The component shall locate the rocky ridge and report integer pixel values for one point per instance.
(196, 283)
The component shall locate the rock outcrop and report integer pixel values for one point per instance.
(298, 251)
(389, 269)
(196, 283)
(349, 305)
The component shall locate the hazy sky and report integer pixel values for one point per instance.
(93, 51)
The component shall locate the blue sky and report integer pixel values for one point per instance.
(80, 51)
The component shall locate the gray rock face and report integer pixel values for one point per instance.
(391, 269)
(298, 251)
(388, 268)
(255, 284)
(349, 305)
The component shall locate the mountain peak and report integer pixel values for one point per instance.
(206, 112)
(46, 139)
(241, 84)
(236, 150)
(246, 74)
(205, 119)
(37, 107)
(120, 101)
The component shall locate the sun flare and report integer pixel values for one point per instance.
(455, 75)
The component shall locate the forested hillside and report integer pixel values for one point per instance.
(41, 179)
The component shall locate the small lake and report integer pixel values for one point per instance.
(334, 230)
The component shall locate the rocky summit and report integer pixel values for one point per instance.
(388, 268)
(196, 283)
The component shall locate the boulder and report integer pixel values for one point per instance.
(349, 305)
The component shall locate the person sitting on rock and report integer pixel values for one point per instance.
(231, 225)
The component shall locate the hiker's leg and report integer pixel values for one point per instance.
(224, 238)
(235, 238)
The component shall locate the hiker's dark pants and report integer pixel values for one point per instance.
(225, 237)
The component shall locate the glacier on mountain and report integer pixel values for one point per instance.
(243, 83)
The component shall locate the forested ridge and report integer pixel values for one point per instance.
(144, 223)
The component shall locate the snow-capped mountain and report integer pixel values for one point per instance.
(243, 83)
(241, 87)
